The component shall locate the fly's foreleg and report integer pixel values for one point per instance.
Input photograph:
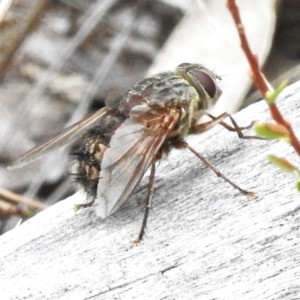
(201, 127)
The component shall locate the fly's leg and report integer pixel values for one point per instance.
(85, 205)
(148, 205)
(182, 144)
(201, 127)
(235, 127)
(198, 128)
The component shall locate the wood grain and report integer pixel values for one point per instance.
(204, 240)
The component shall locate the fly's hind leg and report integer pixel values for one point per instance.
(148, 205)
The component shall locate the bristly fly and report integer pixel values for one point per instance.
(134, 131)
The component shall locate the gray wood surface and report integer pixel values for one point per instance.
(204, 239)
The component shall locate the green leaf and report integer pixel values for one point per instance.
(272, 131)
(298, 186)
(284, 164)
(271, 96)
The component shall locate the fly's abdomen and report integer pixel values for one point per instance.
(88, 164)
(89, 156)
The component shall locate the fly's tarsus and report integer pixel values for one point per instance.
(84, 205)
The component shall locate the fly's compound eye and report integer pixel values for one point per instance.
(205, 81)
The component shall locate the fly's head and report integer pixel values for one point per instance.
(204, 81)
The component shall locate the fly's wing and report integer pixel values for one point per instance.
(132, 149)
(66, 137)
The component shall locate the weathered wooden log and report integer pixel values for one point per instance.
(204, 239)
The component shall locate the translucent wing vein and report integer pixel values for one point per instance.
(66, 137)
(132, 149)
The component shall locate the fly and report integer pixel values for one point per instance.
(127, 137)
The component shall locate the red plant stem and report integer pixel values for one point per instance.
(257, 76)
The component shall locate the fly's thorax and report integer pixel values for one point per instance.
(154, 91)
(162, 94)
(169, 90)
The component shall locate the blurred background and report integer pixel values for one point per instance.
(59, 60)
